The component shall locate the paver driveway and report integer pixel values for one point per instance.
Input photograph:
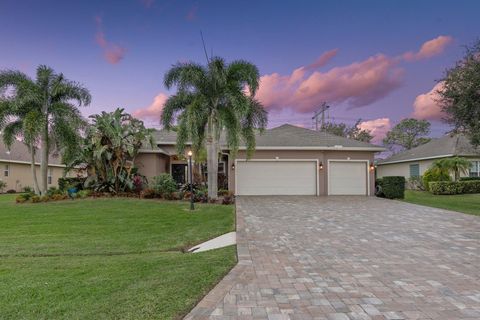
(349, 258)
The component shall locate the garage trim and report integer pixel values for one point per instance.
(367, 162)
(317, 178)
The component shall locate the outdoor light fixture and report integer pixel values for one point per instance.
(190, 153)
(372, 167)
(233, 166)
(320, 166)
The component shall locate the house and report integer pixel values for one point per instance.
(15, 167)
(414, 162)
(288, 160)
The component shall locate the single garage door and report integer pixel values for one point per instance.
(347, 178)
(276, 177)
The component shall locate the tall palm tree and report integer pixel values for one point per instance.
(18, 119)
(210, 100)
(57, 99)
(456, 165)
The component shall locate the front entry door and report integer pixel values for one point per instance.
(179, 172)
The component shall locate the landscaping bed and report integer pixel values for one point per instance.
(108, 257)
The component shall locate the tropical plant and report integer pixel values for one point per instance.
(455, 165)
(408, 134)
(212, 100)
(434, 174)
(3, 185)
(164, 184)
(460, 95)
(110, 147)
(56, 102)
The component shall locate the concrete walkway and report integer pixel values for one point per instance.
(225, 240)
(346, 258)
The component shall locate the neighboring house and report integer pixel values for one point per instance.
(288, 160)
(15, 167)
(414, 162)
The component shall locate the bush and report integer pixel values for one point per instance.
(54, 191)
(71, 182)
(27, 189)
(11, 191)
(450, 187)
(228, 199)
(24, 197)
(415, 183)
(433, 175)
(164, 184)
(470, 179)
(82, 194)
(36, 199)
(393, 187)
(223, 192)
(3, 184)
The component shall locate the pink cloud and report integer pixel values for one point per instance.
(323, 59)
(429, 49)
(426, 106)
(378, 128)
(153, 111)
(357, 84)
(192, 13)
(112, 52)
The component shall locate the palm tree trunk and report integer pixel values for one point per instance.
(44, 156)
(33, 166)
(212, 161)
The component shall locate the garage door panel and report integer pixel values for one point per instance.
(347, 178)
(276, 178)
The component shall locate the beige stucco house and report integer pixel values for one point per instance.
(414, 162)
(288, 160)
(15, 167)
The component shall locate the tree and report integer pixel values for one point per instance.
(20, 119)
(455, 165)
(110, 147)
(408, 134)
(59, 118)
(351, 132)
(460, 96)
(211, 100)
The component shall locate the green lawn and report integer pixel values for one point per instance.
(466, 203)
(108, 258)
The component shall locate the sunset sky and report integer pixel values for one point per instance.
(374, 60)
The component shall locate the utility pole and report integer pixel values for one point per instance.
(320, 111)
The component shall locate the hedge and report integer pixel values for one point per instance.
(450, 187)
(469, 178)
(392, 187)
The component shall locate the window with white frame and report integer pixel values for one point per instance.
(49, 177)
(475, 169)
(6, 170)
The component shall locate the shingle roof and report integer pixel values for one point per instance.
(19, 153)
(287, 136)
(448, 145)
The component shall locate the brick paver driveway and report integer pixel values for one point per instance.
(349, 258)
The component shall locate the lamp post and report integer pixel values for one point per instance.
(190, 153)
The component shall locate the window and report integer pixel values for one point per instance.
(475, 169)
(6, 170)
(49, 177)
(414, 170)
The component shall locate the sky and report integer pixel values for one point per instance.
(379, 61)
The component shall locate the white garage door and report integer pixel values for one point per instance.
(276, 177)
(347, 178)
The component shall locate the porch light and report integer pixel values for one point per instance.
(320, 166)
(190, 153)
(233, 166)
(372, 167)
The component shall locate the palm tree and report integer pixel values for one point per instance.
(55, 99)
(210, 100)
(456, 165)
(17, 119)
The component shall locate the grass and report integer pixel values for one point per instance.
(108, 258)
(466, 203)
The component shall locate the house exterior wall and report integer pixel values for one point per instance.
(322, 156)
(403, 168)
(20, 176)
(152, 164)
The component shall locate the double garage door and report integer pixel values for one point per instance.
(298, 177)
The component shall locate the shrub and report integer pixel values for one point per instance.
(71, 182)
(24, 197)
(36, 199)
(223, 192)
(149, 194)
(27, 189)
(83, 194)
(58, 196)
(432, 175)
(3, 185)
(450, 187)
(228, 199)
(11, 191)
(470, 179)
(53, 191)
(44, 198)
(393, 187)
(415, 183)
(164, 184)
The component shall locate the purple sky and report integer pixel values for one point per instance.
(374, 60)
